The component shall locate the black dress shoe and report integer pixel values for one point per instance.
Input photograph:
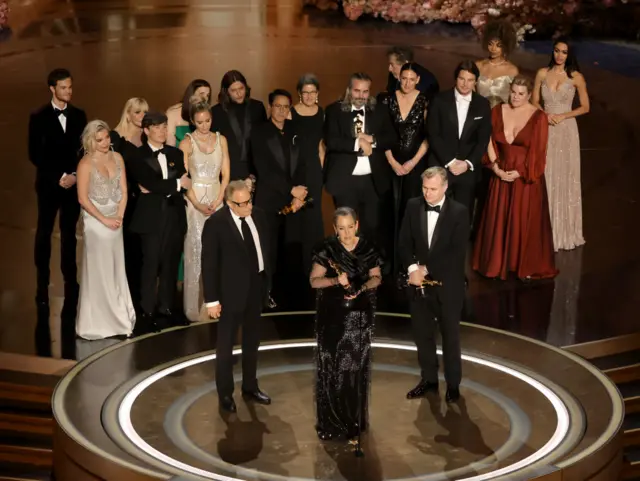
(422, 389)
(256, 396)
(453, 394)
(227, 404)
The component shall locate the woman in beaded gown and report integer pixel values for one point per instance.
(105, 308)
(556, 85)
(345, 267)
(207, 161)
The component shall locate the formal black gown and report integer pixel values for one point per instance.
(309, 131)
(343, 355)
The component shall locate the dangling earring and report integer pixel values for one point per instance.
(317, 96)
(300, 97)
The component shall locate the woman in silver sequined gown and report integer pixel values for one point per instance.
(207, 161)
(105, 308)
(555, 88)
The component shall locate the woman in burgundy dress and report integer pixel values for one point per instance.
(515, 230)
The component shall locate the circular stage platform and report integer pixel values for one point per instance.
(147, 409)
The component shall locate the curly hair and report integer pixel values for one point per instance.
(502, 31)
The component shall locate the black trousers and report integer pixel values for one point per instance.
(52, 200)
(465, 193)
(363, 198)
(249, 319)
(132, 253)
(160, 261)
(424, 313)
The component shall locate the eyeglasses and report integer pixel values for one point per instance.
(281, 107)
(242, 204)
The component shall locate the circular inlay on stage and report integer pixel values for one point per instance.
(526, 409)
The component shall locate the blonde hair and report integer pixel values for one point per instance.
(89, 134)
(522, 81)
(125, 124)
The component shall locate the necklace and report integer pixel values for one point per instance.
(499, 63)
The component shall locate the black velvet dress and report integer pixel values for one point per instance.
(343, 355)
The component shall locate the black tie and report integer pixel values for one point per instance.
(60, 112)
(434, 208)
(250, 243)
(356, 112)
(158, 152)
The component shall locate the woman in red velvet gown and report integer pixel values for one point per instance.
(515, 231)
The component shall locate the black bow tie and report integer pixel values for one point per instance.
(59, 112)
(434, 208)
(158, 152)
(356, 112)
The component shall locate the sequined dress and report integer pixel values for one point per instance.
(205, 180)
(563, 169)
(105, 308)
(495, 90)
(343, 355)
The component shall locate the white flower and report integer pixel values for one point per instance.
(494, 12)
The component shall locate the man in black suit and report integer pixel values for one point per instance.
(234, 116)
(55, 149)
(357, 133)
(160, 220)
(433, 241)
(458, 131)
(398, 56)
(235, 281)
(281, 177)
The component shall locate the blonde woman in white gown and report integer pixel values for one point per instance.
(105, 308)
(206, 159)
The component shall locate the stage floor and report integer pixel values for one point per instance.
(149, 406)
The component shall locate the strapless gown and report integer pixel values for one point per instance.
(495, 90)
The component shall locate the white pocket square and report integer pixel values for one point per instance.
(477, 118)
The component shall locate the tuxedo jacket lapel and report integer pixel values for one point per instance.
(438, 228)
(55, 122)
(150, 159)
(293, 151)
(276, 149)
(469, 120)
(423, 218)
(237, 132)
(453, 112)
(235, 233)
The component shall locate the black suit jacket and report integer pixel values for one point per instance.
(274, 179)
(428, 84)
(238, 132)
(163, 194)
(52, 150)
(442, 133)
(225, 260)
(445, 258)
(340, 141)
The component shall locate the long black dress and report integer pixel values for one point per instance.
(343, 355)
(308, 130)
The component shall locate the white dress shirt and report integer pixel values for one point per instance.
(162, 160)
(432, 218)
(61, 118)
(256, 240)
(462, 108)
(363, 166)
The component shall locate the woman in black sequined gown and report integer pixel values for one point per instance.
(344, 264)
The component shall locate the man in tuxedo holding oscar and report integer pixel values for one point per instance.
(160, 220)
(235, 281)
(55, 149)
(458, 131)
(432, 245)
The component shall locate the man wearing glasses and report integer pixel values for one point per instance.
(235, 281)
(280, 172)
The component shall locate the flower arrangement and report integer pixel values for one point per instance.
(526, 15)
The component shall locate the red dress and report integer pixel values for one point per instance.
(515, 231)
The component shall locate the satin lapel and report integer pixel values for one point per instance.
(368, 120)
(441, 220)
(247, 124)
(293, 151)
(453, 111)
(469, 120)
(172, 170)
(424, 224)
(234, 228)
(276, 149)
(150, 159)
(55, 119)
(237, 133)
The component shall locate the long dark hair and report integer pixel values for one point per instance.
(228, 79)
(571, 64)
(188, 93)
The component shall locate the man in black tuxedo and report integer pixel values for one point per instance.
(458, 131)
(433, 241)
(281, 177)
(235, 281)
(234, 116)
(55, 149)
(398, 56)
(160, 220)
(357, 133)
